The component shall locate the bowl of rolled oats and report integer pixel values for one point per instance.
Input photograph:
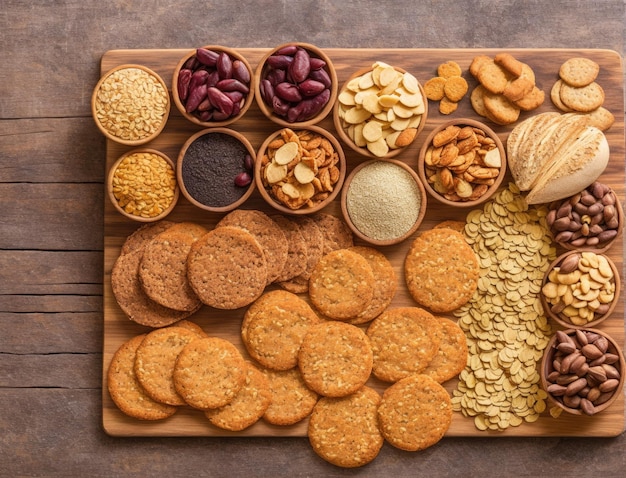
(300, 171)
(142, 185)
(130, 104)
(462, 163)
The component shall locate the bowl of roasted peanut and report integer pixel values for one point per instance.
(142, 185)
(130, 104)
(380, 111)
(462, 163)
(301, 170)
(295, 85)
(212, 86)
(582, 371)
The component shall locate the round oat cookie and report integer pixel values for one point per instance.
(385, 283)
(144, 234)
(451, 357)
(155, 360)
(227, 268)
(433, 88)
(584, 99)
(476, 99)
(441, 270)
(274, 327)
(492, 76)
(209, 372)
(296, 248)
(344, 431)
(125, 390)
(341, 285)
(499, 109)
(404, 341)
(415, 413)
(292, 401)
(247, 407)
(579, 71)
(269, 235)
(314, 240)
(455, 88)
(337, 234)
(335, 358)
(132, 299)
(163, 269)
(532, 100)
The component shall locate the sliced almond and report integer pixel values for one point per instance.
(286, 153)
(291, 190)
(493, 159)
(346, 97)
(372, 131)
(356, 115)
(411, 100)
(378, 148)
(275, 172)
(371, 104)
(303, 173)
(387, 101)
(410, 83)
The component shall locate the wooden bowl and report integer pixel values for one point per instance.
(425, 171)
(383, 202)
(134, 193)
(131, 98)
(560, 236)
(552, 353)
(349, 128)
(265, 152)
(264, 69)
(562, 319)
(224, 154)
(214, 117)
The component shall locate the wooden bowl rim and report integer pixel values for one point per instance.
(334, 87)
(104, 131)
(114, 200)
(179, 167)
(492, 189)
(593, 323)
(212, 124)
(303, 210)
(393, 153)
(387, 242)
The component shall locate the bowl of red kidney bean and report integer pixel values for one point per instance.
(212, 86)
(582, 371)
(295, 85)
(215, 169)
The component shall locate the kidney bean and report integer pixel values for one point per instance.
(243, 179)
(196, 96)
(309, 107)
(280, 62)
(288, 92)
(231, 84)
(207, 57)
(220, 101)
(276, 76)
(287, 50)
(300, 67)
(240, 72)
(316, 63)
(267, 90)
(235, 96)
(224, 65)
(198, 78)
(184, 78)
(213, 78)
(279, 106)
(311, 87)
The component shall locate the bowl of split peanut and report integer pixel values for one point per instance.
(462, 163)
(300, 171)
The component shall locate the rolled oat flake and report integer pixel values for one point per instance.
(383, 201)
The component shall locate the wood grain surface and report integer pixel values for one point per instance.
(422, 63)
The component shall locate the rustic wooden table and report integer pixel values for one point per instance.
(52, 167)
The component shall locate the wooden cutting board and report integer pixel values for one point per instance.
(423, 64)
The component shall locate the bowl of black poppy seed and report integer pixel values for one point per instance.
(215, 169)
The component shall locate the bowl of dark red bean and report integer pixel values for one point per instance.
(212, 86)
(582, 370)
(295, 85)
(215, 169)
(592, 219)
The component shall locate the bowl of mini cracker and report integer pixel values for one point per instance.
(582, 371)
(142, 185)
(380, 110)
(130, 104)
(295, 85)
(212, 86)
(580, 289)
(462, 163)
(300, 171)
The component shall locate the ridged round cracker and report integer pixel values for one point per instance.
(579, 71)
(585, 98)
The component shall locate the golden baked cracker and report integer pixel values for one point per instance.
(477, 63)
(415, 413)
(124, 389)
(455, 88)
(509, 63)
(227, 268)
(532, 100)
(341, 285)
(292, 400)
(385, 283)
(601, 118)
(247, 407)
(451, 357)
(209, 372)
(441, 270)
(476, 99)
(335, 358)
(493, 77)
(337, 234)
(579, 71)
(499, 109)
(555, 96)
(144, 234)
(354, 416)
(458, 226)
(447, 106)
(433, 88)
(297, 258)
(517, 88)
(404, 340)
(274, 327)
(155, 359)
(449, 69)
(584, 99)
